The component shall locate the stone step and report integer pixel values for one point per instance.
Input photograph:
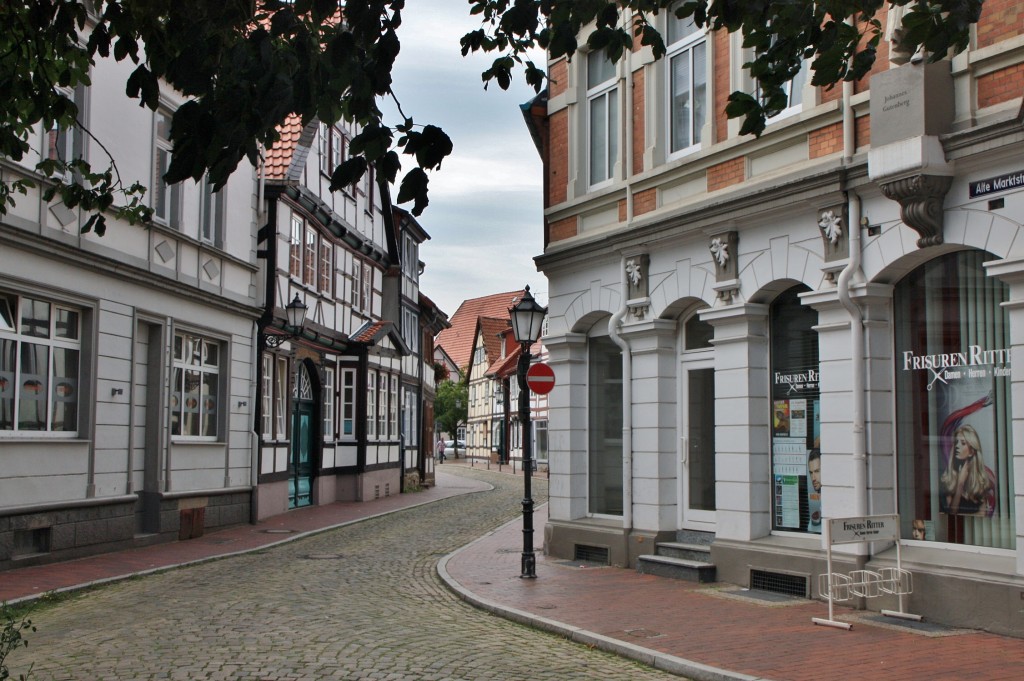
(676, 549)
(676, 568)
(695, 537)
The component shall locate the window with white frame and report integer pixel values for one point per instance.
(40, 350)
(195, 386)
(411, 416)
(211, 218)
(348, 403)
(410, 258)
(371, 405)
(382, 405)
(166, 197)
(393, 407)
(326, 273)
(309, 257)
(366, 297)
(366, 185)
(361, 294)
(267, 397)
(295, 247)
(281, 398)
(328, 402)
(331, 146)
(687, 86)
(273, 400)
(602, 117)
(66, 144)
(411, 329)
(324, 147)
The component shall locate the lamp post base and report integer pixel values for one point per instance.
(529, 570)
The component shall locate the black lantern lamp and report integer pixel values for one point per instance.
(527, 320)
(296, 312)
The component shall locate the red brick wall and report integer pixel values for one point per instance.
(639, 132)
(727, 174)
(622, 210)
(1000, 19)
(558, 78)
(1001, 86)
(645, 201)
(721, 86)
(881, 57)
(563, 229)
(558, 161)
(825, 141)
(862, 132)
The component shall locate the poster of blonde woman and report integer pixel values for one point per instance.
(967, 485)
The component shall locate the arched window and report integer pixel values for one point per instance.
(953, 416)
(795, 415)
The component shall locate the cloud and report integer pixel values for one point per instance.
(485, 216)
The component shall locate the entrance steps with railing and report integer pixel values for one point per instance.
(688, 558)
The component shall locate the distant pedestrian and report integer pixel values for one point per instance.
(440, 450)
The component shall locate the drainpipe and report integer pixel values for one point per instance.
(625, 64)
(860, 475)
(627, 407)
(857, 365)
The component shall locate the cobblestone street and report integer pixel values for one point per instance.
(359, 602)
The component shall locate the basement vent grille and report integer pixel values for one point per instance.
(780, 583)
(593, 554)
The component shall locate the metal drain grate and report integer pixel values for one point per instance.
(592, 554)
(779, 582)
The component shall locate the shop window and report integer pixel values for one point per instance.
(604, 410)
(195, 386)
(953, 410)
(40, 349)
(795, 415)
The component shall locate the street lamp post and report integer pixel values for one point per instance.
(527, 320)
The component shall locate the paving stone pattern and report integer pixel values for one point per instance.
(359, 602)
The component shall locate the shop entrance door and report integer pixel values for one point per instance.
(697, 445)
(300, 481)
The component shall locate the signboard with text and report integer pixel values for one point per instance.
(867, 528)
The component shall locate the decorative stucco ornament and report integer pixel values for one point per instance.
(831, 225)
(720, 251)
(633, 272)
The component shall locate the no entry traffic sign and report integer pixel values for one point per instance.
(540, 378)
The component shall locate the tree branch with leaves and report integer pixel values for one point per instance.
(244, 66)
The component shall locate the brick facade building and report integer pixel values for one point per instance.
(753, 336)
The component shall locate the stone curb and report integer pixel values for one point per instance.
(652, 658)
(206, 559)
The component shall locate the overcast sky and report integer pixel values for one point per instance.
(485, 217)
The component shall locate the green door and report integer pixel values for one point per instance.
(300, 481)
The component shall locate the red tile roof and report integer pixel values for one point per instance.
(279, 156)
(492, 329)
(507, 365)
(458, 340)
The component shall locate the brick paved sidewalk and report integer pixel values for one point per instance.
(702, 631)
(717, 631)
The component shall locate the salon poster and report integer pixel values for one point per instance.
(796, 464)
(964, 411)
